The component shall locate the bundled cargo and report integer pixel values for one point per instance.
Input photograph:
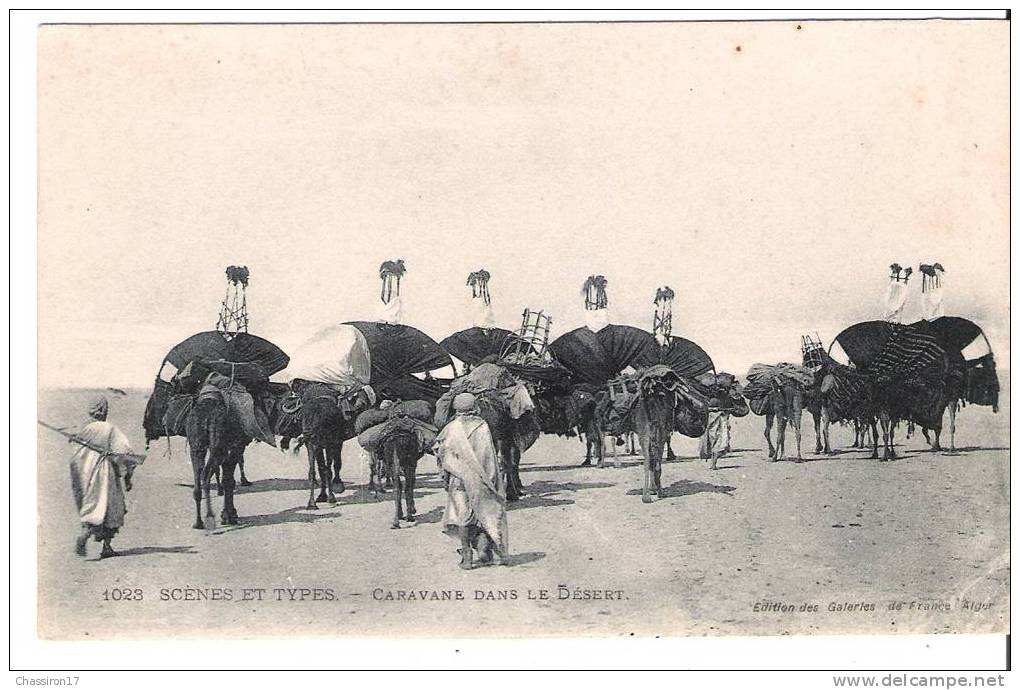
(374, 427)
(725, 394)
(514, 399)
(762, 377)
(617, 404)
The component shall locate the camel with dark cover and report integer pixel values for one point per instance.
(970, 379)
(219, 413)
(907, 369)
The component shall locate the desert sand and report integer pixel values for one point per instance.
(831, 545)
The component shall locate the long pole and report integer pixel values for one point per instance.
(74, 438)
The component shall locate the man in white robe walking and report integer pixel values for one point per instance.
(98, 467)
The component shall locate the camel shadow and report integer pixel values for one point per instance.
(362, 495)
(274, 484)
(552, 468)
(146, 550)
(968, 449)
(539, 493)
(524, 558)
(431, 517)
(288, 516)
(677, 459)
(686, 487)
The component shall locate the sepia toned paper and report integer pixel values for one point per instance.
(768, 172)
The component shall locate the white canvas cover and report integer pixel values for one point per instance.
(895, 299)
(596, 319)
(481, 312)
(336, 355)
(392, 311)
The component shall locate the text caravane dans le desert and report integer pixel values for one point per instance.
(562, 593)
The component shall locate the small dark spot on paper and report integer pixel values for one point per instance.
(738, 49)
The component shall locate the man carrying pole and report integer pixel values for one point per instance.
(102, 459)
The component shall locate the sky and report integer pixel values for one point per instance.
(768, 173)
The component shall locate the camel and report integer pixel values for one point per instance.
(511, 437)
(327, 421)
(570, 414)
(399, 455)
(653, 419)
(216, 442)
(785, 405)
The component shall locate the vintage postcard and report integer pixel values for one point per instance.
(523, 329)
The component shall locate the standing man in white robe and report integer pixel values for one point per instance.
(97, 468)
(476, 491)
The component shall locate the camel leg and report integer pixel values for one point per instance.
(515, 453)
(953, 411)
(206, 481)
(410, 481)
(816, 418)
(657, 468)
(244, 479)
(612, 451)
(598, 443)
(826, 422)
(796, 421)
(780, 436)
(769, 418)
(872, 427)
(886, 423)
(197, 465)
(892, 440)
(336, 460)
(322, 461)
(645, 495)
(398, 513)
(312, 450)
(332, 454)
(587, 448)
(229, 514)
(646, 447)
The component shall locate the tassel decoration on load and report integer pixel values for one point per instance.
(390, 272)
(899, 274)
(896, 293)
(479, 283)
(594, 290)
(233, 318)
(931, 276)
(662, 320)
